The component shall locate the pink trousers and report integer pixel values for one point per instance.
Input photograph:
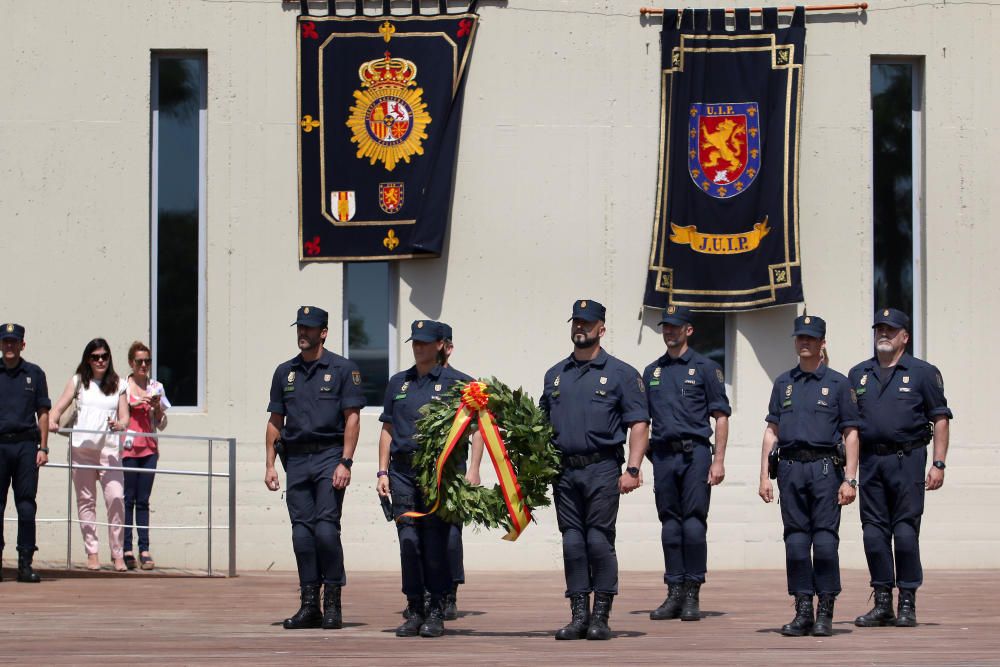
(113, 483)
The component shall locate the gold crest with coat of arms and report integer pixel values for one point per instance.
(389, 118)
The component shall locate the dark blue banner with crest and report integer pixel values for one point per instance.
(380, 105)
(725, 234)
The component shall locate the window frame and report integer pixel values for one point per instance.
(156, 56)
(393, 323)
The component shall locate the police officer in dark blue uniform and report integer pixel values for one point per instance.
(423, 541)
(315, 406)
(24, 434)
(592, 399)
(903, 408)
(685, 389)
(456, 552)
(811, 408)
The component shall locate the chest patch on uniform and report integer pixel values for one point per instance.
(399, 397)
(406, 385)
(860, 392)
(788, 391)
(657, 371)
(28, 380)
(327, 377)
(690, 371)
(864, 379)
(906, 379)
(786, 403)
(603, 380)
(825, 391)
(291, 377)
(437, 387)
(290, 387)
(654, 383)
(556, 383)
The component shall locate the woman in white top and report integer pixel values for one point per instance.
(102, 405)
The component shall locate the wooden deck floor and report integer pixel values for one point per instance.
(136, 618)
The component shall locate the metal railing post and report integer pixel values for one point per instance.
(69, 504)
(209, 507)
(232, 507)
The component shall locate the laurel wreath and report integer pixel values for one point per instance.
(527, 435)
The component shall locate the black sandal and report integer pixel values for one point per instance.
(129, 561)
(147, 562)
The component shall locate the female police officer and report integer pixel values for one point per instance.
(423, 542)
(811, 407)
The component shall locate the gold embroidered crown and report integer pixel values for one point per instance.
(387, 71)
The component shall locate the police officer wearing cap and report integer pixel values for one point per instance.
(315, 406)
(423, 541)
(24, 434)
(592, 399)
(456, 551)
(903, 408)
(811, 408)
(685, 390)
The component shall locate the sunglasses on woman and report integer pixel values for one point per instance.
(142, 362)
(100, 357)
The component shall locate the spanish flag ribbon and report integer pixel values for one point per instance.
(474, 402)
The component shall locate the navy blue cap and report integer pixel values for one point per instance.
(677, 315)
(311, 316)
(426, 331)
(586, 309)
(810, 325)
(446, 331)
(11, 330)
(896, 319)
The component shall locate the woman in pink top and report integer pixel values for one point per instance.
(148, 411)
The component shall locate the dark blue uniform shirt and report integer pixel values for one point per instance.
(683, 393)
(591, 405)
(898, 411)
(23, 392)
(313, 397)
(812, 409)
(406, 394)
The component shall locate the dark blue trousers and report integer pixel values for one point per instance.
(314, 507)
(19, 471)
(811, 516)
(423, 542)
(680, 483)
(586, 501)
(138, 488)
(456, 554)
(892, 502)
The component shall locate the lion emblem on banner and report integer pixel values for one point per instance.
(724, 147)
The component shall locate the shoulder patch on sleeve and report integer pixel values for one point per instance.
(854, 396)
(356, 377)
(939, 380)
(642, 385)
(719, 376)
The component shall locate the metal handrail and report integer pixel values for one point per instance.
(208, 475)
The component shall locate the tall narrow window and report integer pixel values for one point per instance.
(179, 105)
(370, 304)
(896, 92)
(710, 336)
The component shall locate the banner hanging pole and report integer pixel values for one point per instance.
(857, 6)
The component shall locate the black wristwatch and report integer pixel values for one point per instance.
(347, 463)
(939, 465)
(632, 471)
(44, 450)
(853, 482)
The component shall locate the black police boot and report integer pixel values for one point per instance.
(434, 623)
(599, 619)
(579, 604)
(25, 574)
(451, 604)
(881, 614)
(824, 616)
(333, 617)
(414, 618)
(906, 612)
(308, 615)
(671, 607)
(802, 624)
(691, 609)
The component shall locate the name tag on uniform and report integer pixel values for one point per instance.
(399, 397)
(690, 382)
(906, 389)
(290, 387)
(786, 404)
(654, 383)
(823, 403)
(324, 388)
(860, 391)
(555, 393)
(601, 392)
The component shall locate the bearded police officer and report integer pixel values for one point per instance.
(903, 408)
(591, 399)
(315, 403)
(684, 389)
(811, 408)
(24, 433)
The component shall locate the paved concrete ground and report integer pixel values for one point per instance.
(139, 618)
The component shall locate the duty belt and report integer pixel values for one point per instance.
(888, 448)
(584, 460)
(685, 446)
(28, 435)
(809, 454)
(312, 447)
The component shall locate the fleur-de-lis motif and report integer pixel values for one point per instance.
(312, 247)
(309, 30)
(391, 240)
(309, 123)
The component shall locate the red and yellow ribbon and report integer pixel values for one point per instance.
(474, 401)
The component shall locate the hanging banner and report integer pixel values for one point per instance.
(380, 105)
(725, 233)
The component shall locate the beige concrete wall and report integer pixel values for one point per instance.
(553, 201)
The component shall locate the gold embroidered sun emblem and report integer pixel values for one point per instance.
(807, 320)
(420, 325)
(10, 327)
(671, 310)
(305, 311)
(389, 118)
(885, 313)
(583, 304)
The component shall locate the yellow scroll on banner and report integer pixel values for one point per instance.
(474, 401)
(719, 244)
